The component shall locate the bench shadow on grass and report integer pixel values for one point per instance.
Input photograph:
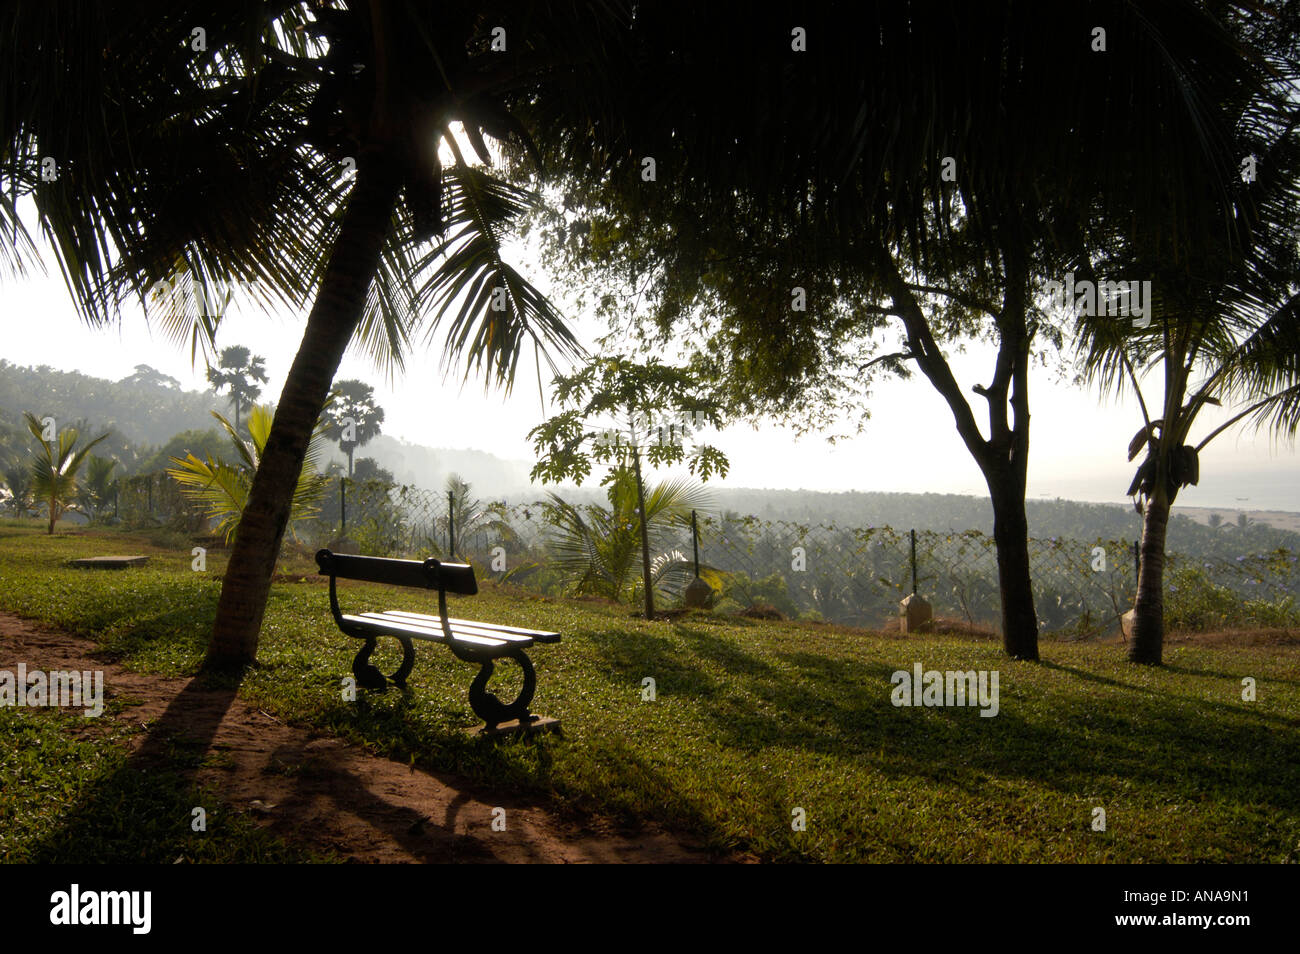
(511, 772)
(841, 708)
(141, 812)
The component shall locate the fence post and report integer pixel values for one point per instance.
(451, 524)
(695, 543)
(913, 562)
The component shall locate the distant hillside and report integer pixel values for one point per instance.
(422, 466)
(1068, 519)
(144, 413)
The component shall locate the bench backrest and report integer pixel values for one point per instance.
(427, 574)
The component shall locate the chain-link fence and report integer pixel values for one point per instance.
(849, 575)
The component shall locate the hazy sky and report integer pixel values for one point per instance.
(1077, 442)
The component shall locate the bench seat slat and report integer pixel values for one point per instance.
(487, 628)
(382, 625)
(434, 625)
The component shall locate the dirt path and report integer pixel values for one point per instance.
(319, 792)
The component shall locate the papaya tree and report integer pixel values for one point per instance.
(624, 413)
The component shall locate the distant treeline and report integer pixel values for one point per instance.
(150, 418)
(1066, 519)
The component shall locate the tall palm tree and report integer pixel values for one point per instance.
(1226, 325)
(298, 147)
(352, 418)
(239, 372)
(55, 467)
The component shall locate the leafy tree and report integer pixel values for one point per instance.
(149, 377)
(142, 416)
(368, 469)
(223, 489)
(1216, 520)
(239, 373)
(55, 466)
(352, 418)
(297, 146)
(596, 548)
(656, 408)
(821, 217)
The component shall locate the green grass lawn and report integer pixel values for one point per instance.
(752, 720)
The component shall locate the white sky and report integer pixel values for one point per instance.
(1077, 443)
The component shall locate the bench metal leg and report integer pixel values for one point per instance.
(491, 709)
(369, 677)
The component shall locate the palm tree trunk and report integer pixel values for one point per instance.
(1149, 607)
(333, 320)
(645, 536)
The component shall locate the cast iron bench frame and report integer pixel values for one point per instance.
(469, 640)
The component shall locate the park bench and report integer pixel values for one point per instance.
(469, 640)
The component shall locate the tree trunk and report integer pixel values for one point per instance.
(330, 327)
(351, 448)
(645, 537)
(1011, 537)
(1003, 457)
(1149, 607)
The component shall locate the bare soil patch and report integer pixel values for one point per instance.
(322, 793)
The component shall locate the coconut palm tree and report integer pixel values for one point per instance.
(97, 489)
(315, 150)
(1225, 332)
(55, 467)
(18, 482)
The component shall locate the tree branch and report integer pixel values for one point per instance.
(905, 355)
(959, 297)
